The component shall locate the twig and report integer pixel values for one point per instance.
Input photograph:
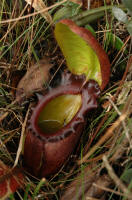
(7, 112)
(89, 2)
(3, 116)
(129, 37)
(56, 71)
(109, 190)
(21, 140)
(117, 181)
(123, 122)
(4, 150)
(128, 67)
(119, 151)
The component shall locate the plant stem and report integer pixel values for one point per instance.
(89, 19)
(84, 17)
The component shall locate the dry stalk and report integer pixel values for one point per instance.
(21, 140)
(123, 122)
(9, 29)
(109, 190)
(32, 14)
(117, 181)
(3, 116)
(125, 43)
(109, 133)
(107, 104)
(40, 5)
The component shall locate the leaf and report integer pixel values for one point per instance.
(9, 182)
(128, 4)
(36, 191)
(66, 12)
(115, 41)
(129, 27)
(40, 5)
(90, 28)
(82, 52)
(35, 78)
(15, 77)
(79, 55)
(63, 13)
(127, 176)
(119, 14)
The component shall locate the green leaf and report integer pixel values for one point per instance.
(62, 13)
(38, 187)
(128, 4)
(67, 11)
(127, 176)
(129, 27)
(115, 41)
(90, 28)
(80, 57)
(26, 192)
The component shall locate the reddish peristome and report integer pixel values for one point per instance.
(44, 153)
(91, 40)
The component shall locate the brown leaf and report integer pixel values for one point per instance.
(40, 5)
(15, 77)
(10, 181)
(34, 79)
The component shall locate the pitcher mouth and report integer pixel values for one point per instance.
(61, 110)
(57, 113)
(53, 116)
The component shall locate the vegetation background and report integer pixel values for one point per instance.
(101, 166)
